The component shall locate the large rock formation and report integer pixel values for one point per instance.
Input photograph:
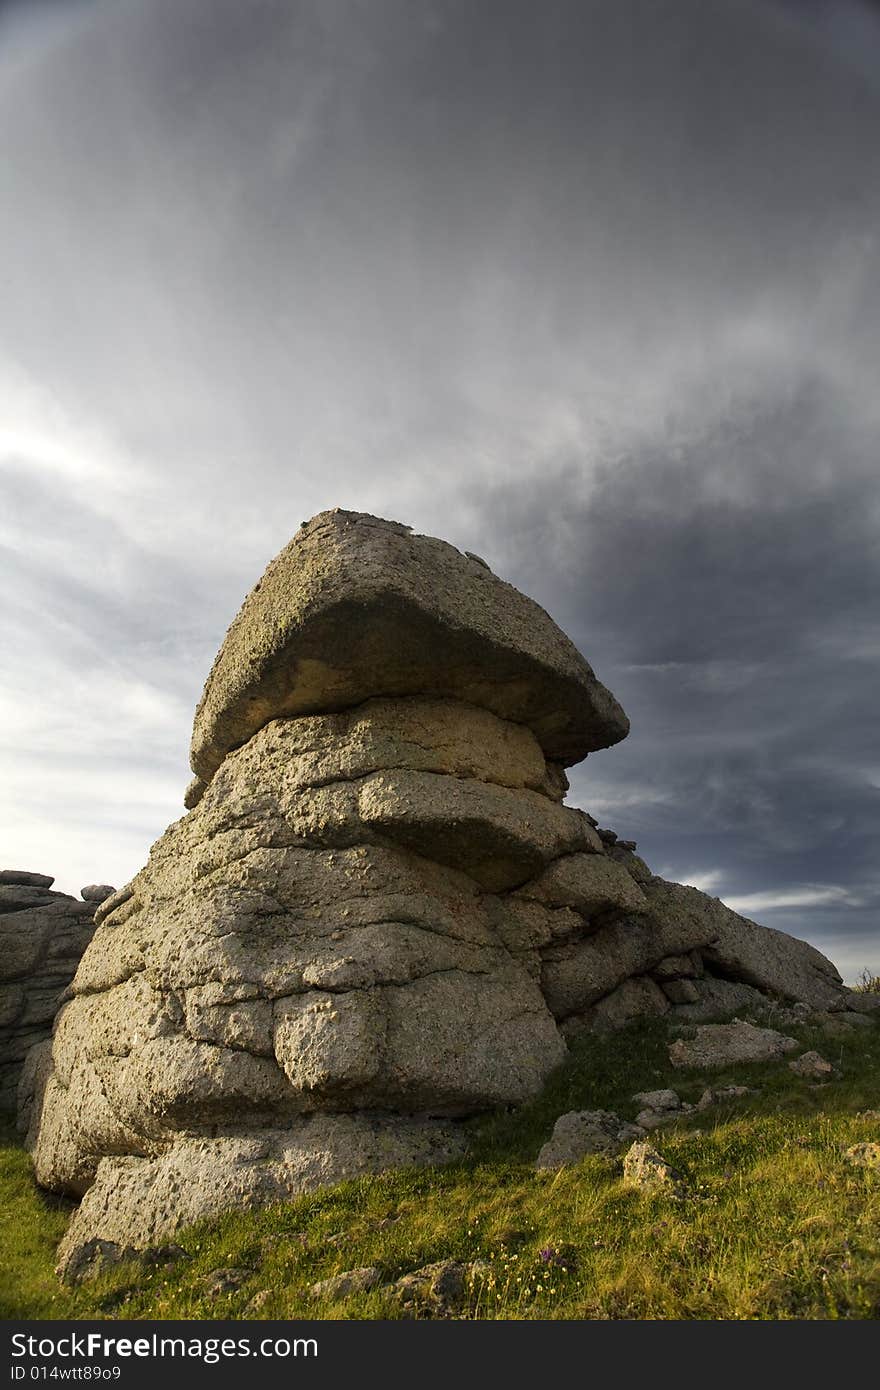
(378, 917)
(42, 937)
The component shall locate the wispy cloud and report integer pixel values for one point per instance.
(786, 899)
(707, 880)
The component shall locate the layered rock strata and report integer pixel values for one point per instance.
(42, 937)
(378, 917)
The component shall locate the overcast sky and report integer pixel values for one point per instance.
(590, 288)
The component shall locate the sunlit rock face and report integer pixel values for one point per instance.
(378, 917)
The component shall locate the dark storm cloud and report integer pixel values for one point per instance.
(589, 288)
(728, 591)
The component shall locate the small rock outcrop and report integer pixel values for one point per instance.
(644, 1167)
(728, 1044)
(378, 917)
(350, 1281)
(582, 1132)
(42, 937)
(813, 1066)
(865, 1155)
(442, 1289)
(658, 1108)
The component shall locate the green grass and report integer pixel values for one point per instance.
(775, 1224)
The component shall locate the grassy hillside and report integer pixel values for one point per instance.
(774, 1224)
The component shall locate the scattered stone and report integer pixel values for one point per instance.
(582, 1132)
(864, 1155)
(653, 1119)
(96, 892)
(658, 1100)
(164, 1254)
(350, 1282)
(726, 1044)
(223, 1281)
(811, 1065)
(644, 1167)
(259, 1301)
(718, 1094)
(441, 1289)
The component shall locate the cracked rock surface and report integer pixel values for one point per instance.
(379, 917)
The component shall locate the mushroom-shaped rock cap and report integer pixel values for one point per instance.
(356, 607)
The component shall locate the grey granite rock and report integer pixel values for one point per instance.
(725, 1044)
(356, 607)
(379, 917)
(42, 937)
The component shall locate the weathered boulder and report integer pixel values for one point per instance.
(136, 1201)
(441, 1289)
(769, 959)
(812, 1065)
(681, 991)
(644, 1167)
(658, 1108)
(356, 607)
(725, 1044)
(350, 1281)
(24, 876)
(674, 968)
(590, 883)
(582, 1132)
(96, 892)
(664, 1099)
